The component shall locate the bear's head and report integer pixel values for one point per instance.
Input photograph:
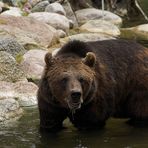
(71, 79)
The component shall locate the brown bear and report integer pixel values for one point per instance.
(88, 82)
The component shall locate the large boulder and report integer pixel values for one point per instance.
(55, 8)
(139, 33)
(15, 95)
(100, 26)
(34, 2)
(86, 37)
(13, 11)
(9, 107)
(11, 46)
(40, 7)
(56, 20)
(28, 32)
(10, 71)
(25, 93)
(85, 15)
(69, 13)
(33, 64)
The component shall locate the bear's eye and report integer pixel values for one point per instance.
(81, 79)
(64, 80)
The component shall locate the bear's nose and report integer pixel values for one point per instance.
(76, 96)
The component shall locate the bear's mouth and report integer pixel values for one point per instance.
(74, 105)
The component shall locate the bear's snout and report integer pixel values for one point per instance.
(75, 96)
(75, 99)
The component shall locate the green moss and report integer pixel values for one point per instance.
(19, 58)
(74, 31)
(3, 22)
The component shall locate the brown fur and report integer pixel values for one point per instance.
(111, 76)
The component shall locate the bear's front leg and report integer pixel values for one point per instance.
(51, 117)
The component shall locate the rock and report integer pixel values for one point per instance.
(139, 32)
(25, 93)
(71, 24)
(9, 2)
(34, 2)
(100, 26)
(61, 33)
(55, 51)
(85, 15)
(0, 9)
(2, 4)
(28, 32)
(6, 90)
(55, 8)
(40, 7)
(14, 11)
(81, 4)
(69, 13)
(86, 37)
(10, 71)
(33, 64)
(14, 95)
(9, 107)
(56, 20)
(3, 7)
(11, 46)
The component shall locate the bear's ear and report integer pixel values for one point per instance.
(90, 59)
(48, 59)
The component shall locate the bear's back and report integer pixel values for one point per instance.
(112, 52)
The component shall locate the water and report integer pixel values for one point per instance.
(116, 134)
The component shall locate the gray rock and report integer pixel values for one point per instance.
(34, 2)
(14, 11)
(61, 33)
(86, 37)
(11, 46)
(14, 95)
(100, 26)
(9, 2)
(25, 93)
(6, 90)
(85, 15)
(55, 20)
(139, 33)
(69, 13)
(9, 107)
(1, 6)
(40, 7)
(0, 9)
(56, 8)
(10, 71)
(28, 32)
(33, 64)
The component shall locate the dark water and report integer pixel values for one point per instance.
(117, 134)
